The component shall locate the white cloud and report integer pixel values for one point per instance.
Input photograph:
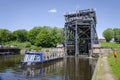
(52, 11)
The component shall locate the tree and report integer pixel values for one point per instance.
(116, 34)
(108, 34)
(40, 36)
(43, 39)
(49, 37)
(5, 36)
(32, 34)
(118, 38)
(56, 36)
(61, 36)
(20, 35)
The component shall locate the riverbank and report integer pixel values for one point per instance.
(114, 64)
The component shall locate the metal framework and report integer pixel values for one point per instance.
(80, 32)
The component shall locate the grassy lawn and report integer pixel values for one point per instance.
(115, 64)
(111, 45)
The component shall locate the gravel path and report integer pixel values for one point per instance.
(108, 74)
(103, 70)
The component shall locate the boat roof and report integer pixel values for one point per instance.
(33, 53)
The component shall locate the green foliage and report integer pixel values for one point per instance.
(42, 39)
(116, 34)
(108, 34)
(20, 45)
(35, 48)
(56, 36)
(5, 36)
(36, 38)
(27, 44)
(24, 45)
(111, 45)
(118, 38)
(20, 35)
(33, 33)
(115, 65)
(49, 37)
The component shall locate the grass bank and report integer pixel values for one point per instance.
(111, 45)
(115, 65)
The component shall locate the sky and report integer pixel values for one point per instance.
(26, 14)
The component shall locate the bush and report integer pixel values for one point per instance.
(35, 48)
(27, 44)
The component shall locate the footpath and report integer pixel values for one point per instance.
(103, 70)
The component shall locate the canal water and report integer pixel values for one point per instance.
(68, 68)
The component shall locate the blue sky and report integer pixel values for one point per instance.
(26, 14)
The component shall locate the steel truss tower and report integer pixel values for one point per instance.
(80, 32)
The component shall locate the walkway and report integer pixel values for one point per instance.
(108, 74)
(104, 71)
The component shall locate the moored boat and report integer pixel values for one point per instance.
(32, 58)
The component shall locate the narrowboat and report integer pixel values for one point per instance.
(33, 58)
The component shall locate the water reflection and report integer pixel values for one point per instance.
(44, 70)
(69, 68)
(77, 68)
(11, 61)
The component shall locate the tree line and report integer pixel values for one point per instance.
(41, 36)
(110, 34)
(46, 36)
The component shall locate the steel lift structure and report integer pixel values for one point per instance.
(80, 32)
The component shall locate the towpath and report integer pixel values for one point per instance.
(104, 71)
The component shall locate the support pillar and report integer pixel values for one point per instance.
(76, 39)
(65, 42)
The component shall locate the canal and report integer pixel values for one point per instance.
(68, 68)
